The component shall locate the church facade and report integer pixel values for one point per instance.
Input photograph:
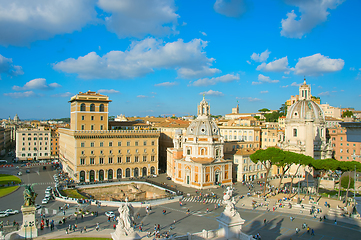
(197, 158)
(305, 127)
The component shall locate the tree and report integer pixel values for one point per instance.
(286, 163)
(264, 110)
(347, 113)
(346, 182)
(267, 158)
(283, 109)
(272, 117)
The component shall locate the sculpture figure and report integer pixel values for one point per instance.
(125, 219)
(29, 196)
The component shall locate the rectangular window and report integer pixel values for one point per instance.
(110, 144)
(82, 127)
(101, 118)
(145, 143)
(92, 118)
(119, 144)
(128, 144)
(153, 143)
(82, 152)
(128, 159)
(110, 160)
(82, 161)
(119, 159)
(101, 127)
(101, 144)
(144, 158)
(152, 158)
(91, 160)
(91, 127)
(101, 160)
(92, 144)
(136, 144)
(136, 159)
(82, 117)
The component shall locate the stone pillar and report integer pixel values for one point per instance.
(309, 138)
(28, 228)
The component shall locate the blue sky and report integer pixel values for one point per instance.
(157, 57)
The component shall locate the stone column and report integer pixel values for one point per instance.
(28, 228)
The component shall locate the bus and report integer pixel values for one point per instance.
(2, 162)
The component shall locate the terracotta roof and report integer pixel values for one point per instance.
(245, 151)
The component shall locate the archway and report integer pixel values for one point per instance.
(152, 170)
(119, 173)
(127, 172)
(82, 176)
(110, 174)
(144, 173)
(91, 176)
(136, 172)
(101, 175)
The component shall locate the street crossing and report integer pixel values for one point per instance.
(206, 200)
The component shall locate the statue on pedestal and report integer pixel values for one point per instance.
(124, 228)
(29, 196)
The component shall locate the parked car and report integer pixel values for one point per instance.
(27, 170)
(19, 173)
(168, 178)
(11, 212)
(3, 214)
(45, 201)
(110, 214)
(38, 206)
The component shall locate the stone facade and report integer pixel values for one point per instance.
(88, 151)
(197, 159)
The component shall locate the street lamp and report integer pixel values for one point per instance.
(298, 198)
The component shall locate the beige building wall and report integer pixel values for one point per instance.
(269, 137)
(246, 170)
(33, 143)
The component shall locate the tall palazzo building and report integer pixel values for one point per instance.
(197, 158)
(89, 152)
(305, 127)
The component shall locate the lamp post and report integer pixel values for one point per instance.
(298, 198)
(31, 224)
(25, 226)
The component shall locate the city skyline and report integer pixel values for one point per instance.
(159, 57)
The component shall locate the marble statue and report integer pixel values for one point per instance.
(29, 196)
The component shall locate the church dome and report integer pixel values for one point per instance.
(203, 125)
(305, 109)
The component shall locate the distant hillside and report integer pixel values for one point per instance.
(66, 120)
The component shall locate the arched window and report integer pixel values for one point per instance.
(202, 151)
(82, 107)
(82, 176)
(127, 172)
(101, 108)
(110, 174)
(217, 152)
(144, 172)
(295, 132)
(136, 172)
(152, 170)
(101, 175)
(91, 176)
(92, 107)
(119, 173)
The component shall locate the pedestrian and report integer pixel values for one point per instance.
(308, 229)
(312, 232)
(114, 226)
(174, 221)
(140, 228)
(85, 229)
(297, 230)
(335, 222)
(264, 221)
(207, 210)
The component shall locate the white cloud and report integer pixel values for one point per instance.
(251, 99)
(264, 79)
(142, 96)
(215, 80)
(294, 84)
(212, 93)
(286, 86)
(262, 92)
(21, 94)
(22, 22)
(129, 18)
(166, 84)
(260, 57)
(230, 8)
(284, 77)
(248, 62)
(279, 65)
(108, 91)
(313, 13)
(7, 66)
(66, 94)
(143, 57)
(318, 64)
(327, 93)
(37, 83)
(352, 69)
(203, 33)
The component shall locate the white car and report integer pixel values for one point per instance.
(3, 214)
(38, 206)
(19, 173)
(110, 214)
(11, 212)
(45, 201)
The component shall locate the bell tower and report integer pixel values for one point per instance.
(203, 108)
(305, 91)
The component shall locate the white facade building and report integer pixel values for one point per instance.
(33, 143)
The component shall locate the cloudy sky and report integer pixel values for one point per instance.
(158, 57)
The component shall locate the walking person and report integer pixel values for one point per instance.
(312, 232)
